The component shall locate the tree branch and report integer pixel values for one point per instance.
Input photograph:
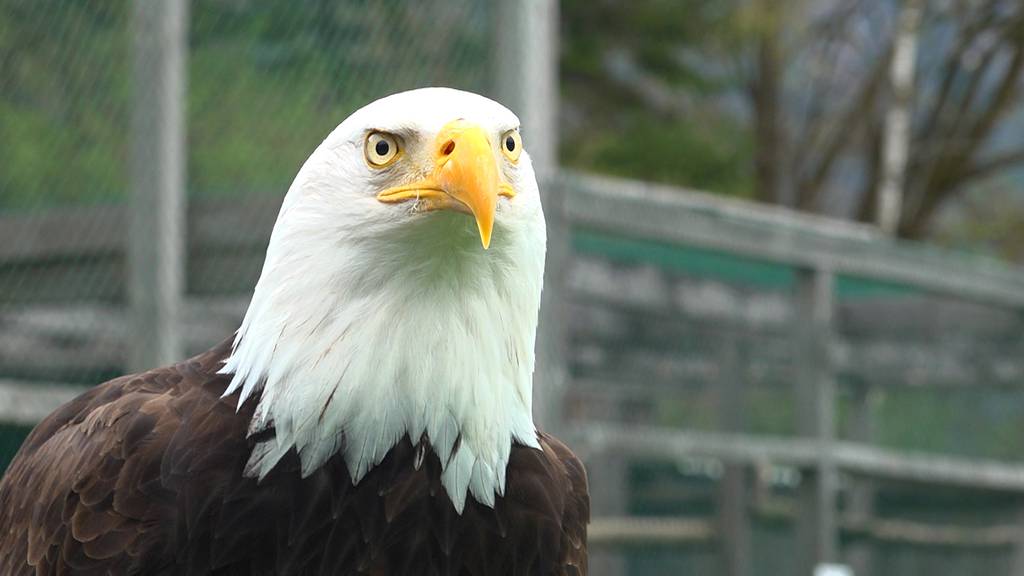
(948, 168)
(983, 168)
(765, 95)
(872, 174)
(810, 188)
(950, 71)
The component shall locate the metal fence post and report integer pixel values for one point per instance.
(861, 503)
(156, 231)
(817, 534)
(733, 500)
(526, 80)
(1017, 549)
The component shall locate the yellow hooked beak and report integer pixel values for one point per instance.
(465, 178)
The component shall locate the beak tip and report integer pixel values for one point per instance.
(484, 226)
(485, 235)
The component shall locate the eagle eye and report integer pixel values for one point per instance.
(381, 149)
(511, 145)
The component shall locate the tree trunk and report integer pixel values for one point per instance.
(767, 141)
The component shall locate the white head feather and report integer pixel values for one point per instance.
(374, 321)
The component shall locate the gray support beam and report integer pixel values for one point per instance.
(617, 531)
(817, 530)
(905, 466)
(733, 500)
(156, 224)
(678, 216)
(526, 74)
(861, 504)
(608, 499)
(1017, 554)
(526, 55)
(26, 403)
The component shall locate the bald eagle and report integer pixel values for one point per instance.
(372, 414)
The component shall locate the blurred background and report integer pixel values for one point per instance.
(784, 313)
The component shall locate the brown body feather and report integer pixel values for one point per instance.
(143, 475)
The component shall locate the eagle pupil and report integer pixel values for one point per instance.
(510, 144)
(382, 148)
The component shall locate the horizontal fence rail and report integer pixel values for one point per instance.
(671, 443)
(25, 405)
(613, 531)
(774, 234)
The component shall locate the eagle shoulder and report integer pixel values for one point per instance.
(576, 508)
(93, 485)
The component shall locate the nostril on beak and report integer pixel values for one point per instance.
(448, 148)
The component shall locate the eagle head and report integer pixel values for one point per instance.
(400, 293)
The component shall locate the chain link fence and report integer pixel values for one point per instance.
(266, 82)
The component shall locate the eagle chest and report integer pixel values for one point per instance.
(397, 520)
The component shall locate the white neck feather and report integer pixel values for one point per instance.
(352, 345)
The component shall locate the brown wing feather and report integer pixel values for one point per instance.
(576, 515)
(143, 475)
(84, 491)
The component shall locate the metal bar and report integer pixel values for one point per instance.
(156, 231)
(26, 404)
(1017, 541)
(526, 71)
(674, 215)
(817, 533)
(882, 463)
(84, 232)
(609, 497)
(861, 499)
(732, 495)
(615, 531)
(526, 51)
(930, 534)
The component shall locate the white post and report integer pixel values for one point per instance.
(526, 58)
(156, 229)
(897, 120)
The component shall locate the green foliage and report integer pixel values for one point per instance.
(266, 82)
(61, 143)
(610, 125)
(680, 151)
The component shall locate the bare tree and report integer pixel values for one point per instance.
(968, 84)
(814, 76)
(979, 86)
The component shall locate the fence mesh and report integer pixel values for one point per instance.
(266, 82)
